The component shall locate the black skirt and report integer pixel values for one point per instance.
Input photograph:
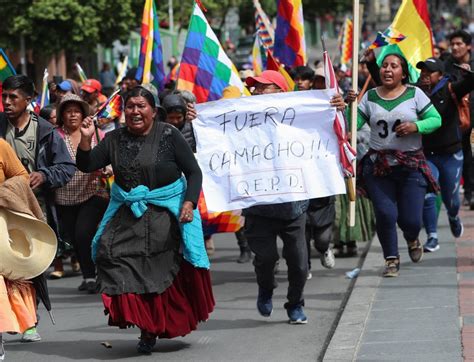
(139, 255)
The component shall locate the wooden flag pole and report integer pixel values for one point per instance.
(355, 86)
(364, 88)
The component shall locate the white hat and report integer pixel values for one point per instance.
(319, 72)
(27, 245)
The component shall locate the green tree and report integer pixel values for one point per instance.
(53, 25)
(313, 8)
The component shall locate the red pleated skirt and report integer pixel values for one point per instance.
(173, 313)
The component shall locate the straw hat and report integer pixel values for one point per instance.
(27, 245)
(71, 98)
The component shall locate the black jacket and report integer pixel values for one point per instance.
(456, 75)
(447, 138)
(52, 160)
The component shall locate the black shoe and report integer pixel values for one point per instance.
(145, 346)
(245, 256)
(351, 248)
(338, 250)
(91, 287)
(82, 287)
(264, 302)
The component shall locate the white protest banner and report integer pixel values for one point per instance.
(268, 149)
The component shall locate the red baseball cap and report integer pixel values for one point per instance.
(269, 77)
(91, 85)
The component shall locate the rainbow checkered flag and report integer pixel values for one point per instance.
(263, 39)
(205, 68)
(388, 37)
(346, 41)
(219, 222)
(265, 31)
(150, 65)
(111, 109)
(290, 44)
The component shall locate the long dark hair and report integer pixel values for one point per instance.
(403, 63)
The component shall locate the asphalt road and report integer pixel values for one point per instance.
(235, 331)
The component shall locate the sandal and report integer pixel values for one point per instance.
(57, 274)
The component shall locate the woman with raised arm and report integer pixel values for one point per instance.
(152, 266)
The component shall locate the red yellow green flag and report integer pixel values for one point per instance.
(413, 21)
(6, 68)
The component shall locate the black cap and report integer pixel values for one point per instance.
(432, 64)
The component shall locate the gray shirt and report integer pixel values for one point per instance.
(24, 142)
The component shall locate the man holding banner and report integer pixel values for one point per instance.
(271, 159)
(265, 222)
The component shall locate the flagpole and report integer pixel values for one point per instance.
(355, 86)
(43, 86)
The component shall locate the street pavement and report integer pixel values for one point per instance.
(417, 316)
(235, 331)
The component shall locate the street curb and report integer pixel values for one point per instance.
(347, 337)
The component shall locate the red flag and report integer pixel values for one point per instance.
(347, 153)
(273, 64)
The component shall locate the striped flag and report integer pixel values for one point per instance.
(263, 39)
(205, 68)
(45, 89)
(346, 41)
(347, 153)
(290, 45)
(80, 71)
(265, 31)
(150, 65)
(413, 21)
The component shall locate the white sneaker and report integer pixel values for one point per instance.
(309, 275)
(31, 335)
(327, 259)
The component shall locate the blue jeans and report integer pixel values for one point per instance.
(447, 169)
(397, 198)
